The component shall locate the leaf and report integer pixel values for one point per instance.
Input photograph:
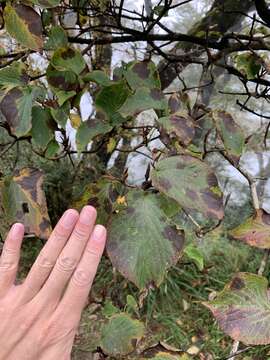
(24, 24)
(242, 309)
(63, 96)
(16, 107)
(174, 103)
(75, 120)
(248, 64)
(14, 75)
(61, 114)
(142, 242)
(46, 3)
(103, 195)
(230, 133)
(98, 77)
(202, 131)
(24, 201)
(67, 58)
(61, 80)
(179, 124)
(57, 38)
(191, 183)
(143, 99)
(255, 231)
(88, 130)
(142, 74)
(42, 127)
(52, 149)
(194, 254)
(110, 99)
(120, 335)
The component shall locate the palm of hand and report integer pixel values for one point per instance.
(39, 318)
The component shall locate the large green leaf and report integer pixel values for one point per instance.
(14, 75)
(120, 335)
(142, 73)
(242, 309)
(143, 99)
(24, 24)
(110, 99)
(88, 130)
(202, 130)
(230, 133)
(104, 195)
(142, 242)
(191, 183)
(255, 231)
(42, 127)
(67, 58)
(180, 125)
(16, 107)
(24, 201)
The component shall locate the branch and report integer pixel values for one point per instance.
(263, 11)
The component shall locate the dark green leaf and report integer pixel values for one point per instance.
(42, 127)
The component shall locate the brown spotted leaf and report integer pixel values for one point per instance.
(242, 309)
(255, 231)
(230, 133)
(16, 108)
(180, 125)
(142, 73)
(142, 242)
(190, 182)
(68, 59)
(24, 201)
(103, 195)
(24, 24)
(120, 335)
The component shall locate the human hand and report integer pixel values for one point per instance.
(39, 318)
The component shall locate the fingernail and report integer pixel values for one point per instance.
(69, 219)
(99, 233)
(17, 229)
(87, 215)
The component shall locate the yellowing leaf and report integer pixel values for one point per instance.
(24, 24)
(75, 120)
(24, 201)
(121, 200)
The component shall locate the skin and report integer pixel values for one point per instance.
(39, 318)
